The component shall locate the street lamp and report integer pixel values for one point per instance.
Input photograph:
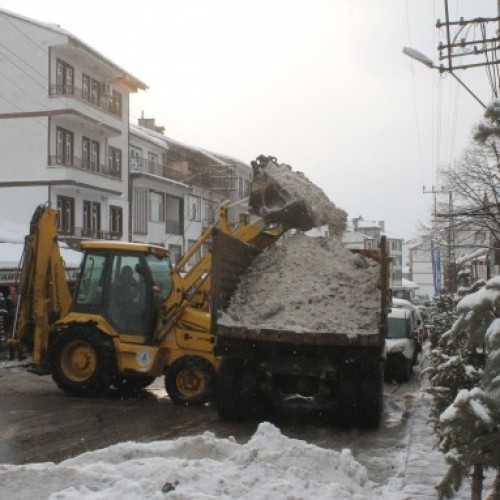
(427, 61)
(418, 56)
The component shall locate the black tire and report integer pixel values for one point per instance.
(406, 370)
(228, 389)
(360, 398)
(83, 362)
(344, 411)
(237, 395)
(371, 399)
(190, 380)
(132, 383)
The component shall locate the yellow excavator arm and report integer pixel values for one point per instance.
(44, 294)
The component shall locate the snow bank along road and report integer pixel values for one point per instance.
(38, 423)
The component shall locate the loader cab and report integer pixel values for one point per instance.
(124, 283)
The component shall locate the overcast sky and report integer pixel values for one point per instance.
(320, 84)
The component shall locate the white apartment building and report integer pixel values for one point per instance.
(64, 127)
(176, 189)
(366, 234)
(66, 140)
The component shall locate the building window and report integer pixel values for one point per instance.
(86, 87)
(95, 92)
(64, 146)
(64, 77)
(66, 207)
(194, 211)
(94, 155)
(115, 160)
(87, 224)
(134, 158)
(116, 220)
(85, 152)
(156, 207)
(175, 253)
(117, 103)
(91, 218)
(96, 219)
(197, 255)
(208, 209)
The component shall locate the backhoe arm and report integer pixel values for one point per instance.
(44, 294)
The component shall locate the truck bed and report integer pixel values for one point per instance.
(365, 338)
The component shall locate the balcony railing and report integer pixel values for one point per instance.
(87, 165)
(147, 166)
(82, 233)
(103, 102)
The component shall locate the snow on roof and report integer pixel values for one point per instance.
(406, 284)
(166, 142)
(149, 135)
(10, 255)
(12, 245)
(130, 79)
(482, 252)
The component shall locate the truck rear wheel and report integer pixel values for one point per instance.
(237, 394)
(83, 362)
(190, 380)
(371, 399)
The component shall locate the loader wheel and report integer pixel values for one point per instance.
(83, 362)
(190, 380)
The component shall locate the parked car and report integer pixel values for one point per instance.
(401, 344)
(417, 318)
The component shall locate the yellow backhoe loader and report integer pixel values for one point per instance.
(125, 331)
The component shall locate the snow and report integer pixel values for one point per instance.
(309, 284)
(12, 245)
(294, 187)
(269, 465)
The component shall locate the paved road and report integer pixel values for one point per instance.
(40, 423)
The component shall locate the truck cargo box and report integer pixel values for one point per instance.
(259, 363)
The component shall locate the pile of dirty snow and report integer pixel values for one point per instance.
(294, 186)
(270, 465)
(308, 284)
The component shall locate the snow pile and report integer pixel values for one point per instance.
(309, 284)
(295, 187)
(270, 465)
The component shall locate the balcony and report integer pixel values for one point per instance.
(143, 165)
(81, 233)
(103, 102)
(86, 165)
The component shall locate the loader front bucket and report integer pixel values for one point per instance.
(276, 204)
(280, 195)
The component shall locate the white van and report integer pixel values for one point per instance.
(417, 318)
(401, 344)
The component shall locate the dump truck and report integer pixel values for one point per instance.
(132, 317)
(262, 366)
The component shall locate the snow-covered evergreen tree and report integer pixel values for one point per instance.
(462, 375)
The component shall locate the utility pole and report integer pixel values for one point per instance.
(450, 278)
(462, 43)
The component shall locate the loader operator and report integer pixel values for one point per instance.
(124, 290)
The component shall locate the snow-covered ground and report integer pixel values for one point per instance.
(269, 465)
